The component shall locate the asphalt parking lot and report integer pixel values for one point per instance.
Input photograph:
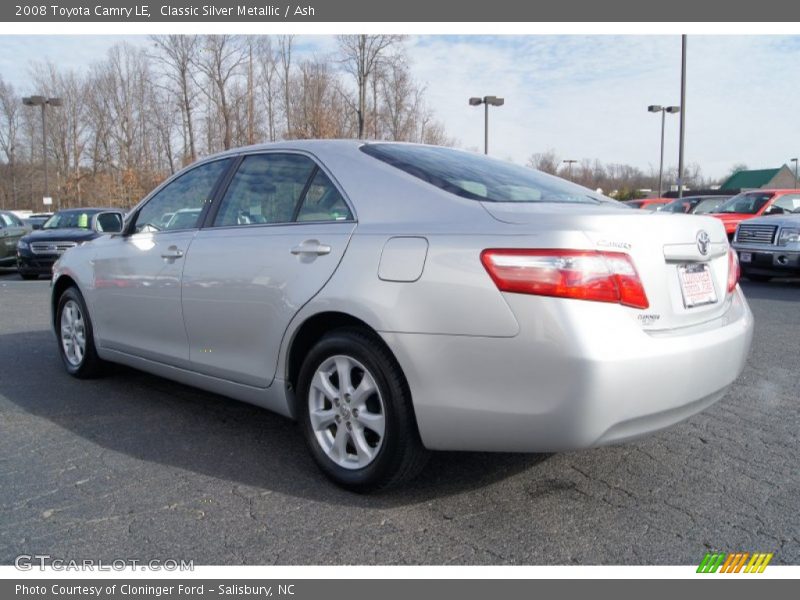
(134, 466)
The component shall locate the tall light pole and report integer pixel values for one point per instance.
(683, 115)
(44, 103)
(569, 162)
(486, 101)
(794, 160)
(655, 108)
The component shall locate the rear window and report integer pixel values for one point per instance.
(477, 177)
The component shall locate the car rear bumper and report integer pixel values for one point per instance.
(555, 388)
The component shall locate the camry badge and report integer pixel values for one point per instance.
(703, 242)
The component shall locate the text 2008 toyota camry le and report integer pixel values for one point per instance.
(396, 299)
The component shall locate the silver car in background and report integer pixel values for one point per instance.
(397, 298)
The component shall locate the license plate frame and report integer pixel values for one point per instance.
(697, 285)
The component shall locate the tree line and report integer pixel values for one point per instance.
(141, 113)
(621, 181)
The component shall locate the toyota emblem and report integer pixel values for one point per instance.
(703, 242)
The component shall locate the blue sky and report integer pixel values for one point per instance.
(584, 96)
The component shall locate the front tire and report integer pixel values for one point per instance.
(29, 276)
(355, 409)
(76, 336)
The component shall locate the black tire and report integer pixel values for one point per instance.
(401, 455)
(90, 365)
(29, 276)
(758, 278)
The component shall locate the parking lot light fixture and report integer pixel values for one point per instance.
(486, 101)
(657, 108)
(569, 162)
(794, 160)
(44, 102)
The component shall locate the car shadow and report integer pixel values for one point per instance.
(159, 421)
(783, 289)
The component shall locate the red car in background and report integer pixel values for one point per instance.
(648, 203)
(755, 203)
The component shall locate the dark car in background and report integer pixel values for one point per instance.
(39, 250)
(769, 246)
(694, 205)
(11, 230)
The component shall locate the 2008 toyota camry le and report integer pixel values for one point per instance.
(396, 299)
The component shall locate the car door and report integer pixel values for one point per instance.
(11, 229)
(275, 238)
(137, 299)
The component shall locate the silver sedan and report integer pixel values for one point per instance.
(396, 299)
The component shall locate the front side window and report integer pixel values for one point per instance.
(788, 203)
(180, 203)
(477, 177)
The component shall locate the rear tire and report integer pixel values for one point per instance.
(29, 276)
(354, 407)
(76, 336)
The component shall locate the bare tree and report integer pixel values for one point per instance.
(267, 60)
(361, 56)
(285, 43)
(177, 54)
(220, 60)
(9, 138)
(547, 162)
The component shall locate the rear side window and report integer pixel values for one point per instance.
(323, 202)
(477, 177)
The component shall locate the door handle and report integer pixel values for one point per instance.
(312, 247)
(172, 253)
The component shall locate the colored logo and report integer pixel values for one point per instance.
(736, 562)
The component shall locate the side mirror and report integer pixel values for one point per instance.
(108, 222)
(36, 226)
(774, 210)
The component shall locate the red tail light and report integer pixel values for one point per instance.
(734, 271)
(578, 274)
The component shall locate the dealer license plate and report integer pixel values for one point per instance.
(697, 286)
(745, 257)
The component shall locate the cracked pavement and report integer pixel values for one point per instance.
(134, 466)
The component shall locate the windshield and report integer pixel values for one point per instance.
(478, 177)
(679, 206)
(708, 205)
(74, 219)
(747, 204)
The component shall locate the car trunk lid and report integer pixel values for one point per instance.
(682, 260)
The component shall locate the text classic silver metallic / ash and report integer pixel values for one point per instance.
(397, 299)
